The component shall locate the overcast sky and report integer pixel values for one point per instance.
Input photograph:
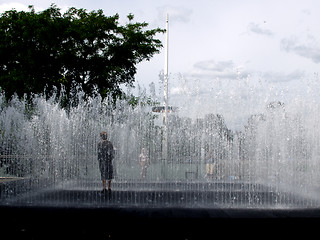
(230, 57)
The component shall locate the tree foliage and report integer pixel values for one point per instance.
(47, 50)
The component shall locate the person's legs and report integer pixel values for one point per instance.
(104, 184)
(109, 185)
(102, 168)
(143, 172)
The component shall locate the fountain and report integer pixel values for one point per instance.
(49, 157)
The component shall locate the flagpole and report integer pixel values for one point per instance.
(165, 95)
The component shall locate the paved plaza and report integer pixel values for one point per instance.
(167, 210)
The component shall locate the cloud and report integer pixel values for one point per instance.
(309, 50)
(257, 29)
(211, 65)
(24, 7)
(217, 69)
(282, 77)
(228, 70)
(14, 5)
(176, 13)
(306, 12)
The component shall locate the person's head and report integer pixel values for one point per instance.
(103, 135)
(143, 150)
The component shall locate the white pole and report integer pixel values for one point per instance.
(166, 58)
(165, 94)
(166, 73)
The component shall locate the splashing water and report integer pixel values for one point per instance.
(49, 155)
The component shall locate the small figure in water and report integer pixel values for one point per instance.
(210, 164)
(105, 158)
(144, 163)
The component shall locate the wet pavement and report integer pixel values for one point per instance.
(156, 211)
(208, 195)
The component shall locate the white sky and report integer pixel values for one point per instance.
(230, 57)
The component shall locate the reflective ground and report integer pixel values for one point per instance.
(146, 210)
(211, 194)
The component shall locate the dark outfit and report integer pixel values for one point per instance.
(105, 157)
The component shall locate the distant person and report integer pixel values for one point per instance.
(105, 157)
(210, 164)
(144, 163)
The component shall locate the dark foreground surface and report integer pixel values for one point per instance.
(217, 212)
(155, 223)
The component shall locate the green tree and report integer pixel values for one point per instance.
(46, 50)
